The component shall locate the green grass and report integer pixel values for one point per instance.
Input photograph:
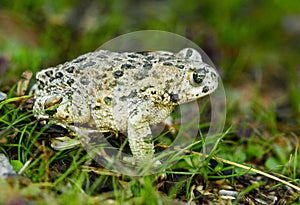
(67, 177)
(258, 58)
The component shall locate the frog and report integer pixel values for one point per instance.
(122, 92)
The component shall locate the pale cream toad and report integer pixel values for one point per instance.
(122, 91)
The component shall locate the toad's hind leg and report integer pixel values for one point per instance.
(140, 136)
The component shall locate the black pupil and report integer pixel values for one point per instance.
(199, 75)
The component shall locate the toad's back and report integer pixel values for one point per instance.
(110, 70)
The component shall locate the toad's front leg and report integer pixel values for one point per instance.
(140, 136)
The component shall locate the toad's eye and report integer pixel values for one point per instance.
(198, 77)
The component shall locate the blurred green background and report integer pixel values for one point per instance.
(254, 44)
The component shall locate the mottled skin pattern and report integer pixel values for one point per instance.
(122, 91)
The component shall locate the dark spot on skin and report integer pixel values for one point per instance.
(149, 58)
(127, 66)
(156, 74)
(40, 82)
(147, 66)
(131, 61)
(170, 81)
(107, 100)
(70, 69)
(167, 64)
(205, 89)
(199, 75)
(78, 60)
(213, 75)
(189, 53)
(89, 64)
(180, 66)
(104, 75)
(98, 107)
(50, 111)
(153, 92)
(58, 129)
(118, 73)
(70, 82)
(78, 91)
(113, 83)
(51, 79)
(132, 56)
(84, 81)
(69, 93)
(174, 98)
(161, 59)
(108, 68)
(119, 83)
(58, 75)
(131, 95)
(144, 53)
(123, 98)
(101, 56)
(140, 76)
(49, 73)
(143, 89)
